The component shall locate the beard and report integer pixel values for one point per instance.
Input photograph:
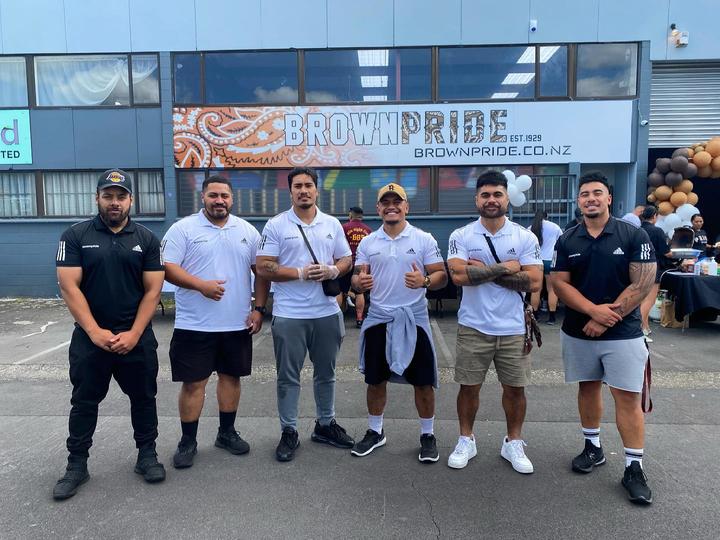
(217, 211)
(491, 212)
(112, 219)
(305, 204)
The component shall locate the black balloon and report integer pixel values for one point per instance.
(663, 164)
(656, 179)
(678, 164)
(691, 171)
(681, 152)
(673, 179)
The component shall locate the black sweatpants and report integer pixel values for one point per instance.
(91, 369)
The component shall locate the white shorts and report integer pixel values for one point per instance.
(619, 363)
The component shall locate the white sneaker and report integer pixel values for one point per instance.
(464, 452)
(514, 452)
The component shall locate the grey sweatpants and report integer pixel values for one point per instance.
(292, 340)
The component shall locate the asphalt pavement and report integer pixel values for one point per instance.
(326, 492)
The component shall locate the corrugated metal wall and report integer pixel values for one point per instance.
(684, 103)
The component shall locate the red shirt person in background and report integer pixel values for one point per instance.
(355, 230)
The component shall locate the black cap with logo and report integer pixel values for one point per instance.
(115, 177)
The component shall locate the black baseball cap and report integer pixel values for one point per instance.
(115, 177)
(356, 210)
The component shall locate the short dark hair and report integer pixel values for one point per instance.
(694, 216)
(593, 177)
(216, 179)
(648, 213)
(302, 170)
(491, 178)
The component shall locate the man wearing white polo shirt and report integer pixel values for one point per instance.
(300, 249)
(495, 261)
(210, 256)
(397, 263)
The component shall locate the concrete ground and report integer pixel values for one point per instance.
(326, 492)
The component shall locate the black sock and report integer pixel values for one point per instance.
(227, 421)
(189, 430)
(552, 316)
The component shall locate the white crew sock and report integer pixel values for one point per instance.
(375, 423)
(592, 435)
(426, 425)
(633, 454)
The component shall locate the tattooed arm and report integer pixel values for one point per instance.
(529, 279)
(269, 269)
(344, 265)
(472, 272)
(642, 277)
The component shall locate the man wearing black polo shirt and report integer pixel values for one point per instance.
(110, 275)
(603, 269)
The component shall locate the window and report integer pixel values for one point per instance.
(607, 69)
(553, 71)
(17, 194)
(502, 73)
(13, 82)
(367, 75)
(95, 80)
(189, 188)
(145, 79)
(149, 193)
(187, 78)
(251, 77)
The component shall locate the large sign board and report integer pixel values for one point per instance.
(15, 142)
(403, 135)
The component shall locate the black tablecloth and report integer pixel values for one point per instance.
(692, 293)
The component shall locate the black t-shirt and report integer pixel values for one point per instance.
(660, 244)
(700, 240)
(112, 268)
(600, 270)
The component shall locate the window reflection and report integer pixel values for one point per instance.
(187, 78)
(13, 82)
(553, 71)
(146, 79)
(607, 69)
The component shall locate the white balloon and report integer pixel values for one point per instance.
(509, 175)
(686, 223)
(686, 211)
(519, 200)
(672, 221)
(524, 182)
(513, 191)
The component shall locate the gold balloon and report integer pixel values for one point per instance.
(663, 193)
(678, 199)
(713, 147)
(691, 153)
(692, 198)
(665, 208)
(651, 198)
(702, 159)
(705, 172)
(715, 164)
(686, 186)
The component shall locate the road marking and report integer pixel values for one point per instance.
(42, 329)
(440, 340)
(42, 353)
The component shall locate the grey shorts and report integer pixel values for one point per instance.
(618, 363)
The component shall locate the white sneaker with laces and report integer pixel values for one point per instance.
(464, 451)
(514, 452)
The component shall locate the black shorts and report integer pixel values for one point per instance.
(345, 282)
(420, 372)
(195, 355)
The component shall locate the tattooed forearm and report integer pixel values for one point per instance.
(642, 277)
(270, 267)
(482, 274)
(519, 281)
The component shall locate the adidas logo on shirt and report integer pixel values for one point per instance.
(243, 241)
(410, 251)
(329, 236)
(137, 248)
(511, 251)
(618, 251)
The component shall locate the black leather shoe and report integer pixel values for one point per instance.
(75, 476)
(289, 442)
(232, 442)
(148, 466)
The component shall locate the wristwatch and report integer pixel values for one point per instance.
(426, 283)
(261, 309)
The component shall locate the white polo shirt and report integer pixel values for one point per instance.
(490, 308)
(211, 252)
(281, 238)
(550, 233)
(391, 258)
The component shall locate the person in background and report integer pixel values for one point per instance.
(355, 230)
(632, 218)
(575, 221)
(700, 241)
(547, 234)
(662, 254)
(638, 210)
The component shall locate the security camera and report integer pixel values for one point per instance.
(644, 122)
(533, 25)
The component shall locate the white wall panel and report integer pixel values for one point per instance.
(162, 25)
(427, 22)
(635, 20)
(228, 24)
(33, 26)
(564, 20)
(97, 26)
(294, 24)
(700, 18)
(491, 22)
(360, 24)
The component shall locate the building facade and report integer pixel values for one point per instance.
(428, 94)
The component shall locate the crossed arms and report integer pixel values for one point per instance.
(509, 274)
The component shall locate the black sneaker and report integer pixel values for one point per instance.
(590, 457)
(148, 466)
(551, 319)
(332, 434)
(428, 449)
(370, 442)
(232, 442)
(289, 442)
(359, 322)
(75, 476)
(185, 453)
(635, 482)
